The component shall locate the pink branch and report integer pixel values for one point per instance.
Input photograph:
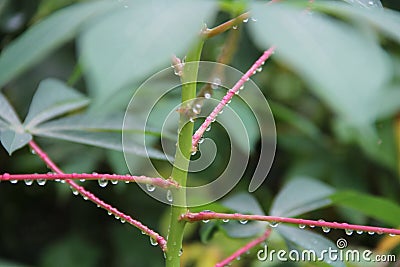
(244, 249)
(192, 217)
(199, 133)
(160, 182)
(87, 195)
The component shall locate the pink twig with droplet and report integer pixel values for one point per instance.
(199, 133)
(87, 195)
(244, 249)
(193, 217)
(160, 182)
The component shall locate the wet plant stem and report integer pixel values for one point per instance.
(182, 158)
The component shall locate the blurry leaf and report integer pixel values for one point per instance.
(7, 112)
(246, 204)
(385, 20)
(207, 230)
(53, 98)
(345, 68)
(376, 207)
(307, 240)
(365, 3)
(12, 140)
(135, 41)
(73, 251)
(11, 264)
(301, 195)
(44, 37)
(101, 131)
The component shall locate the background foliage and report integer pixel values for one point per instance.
(64, 63)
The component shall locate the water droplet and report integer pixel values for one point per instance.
(234, 27)
(208, 128)
(206, 220)
(273, 224)
(95, 173)
(180, 252)
(225, 220)
(85, 198)
(153, 242)
(311, 226)
(254, 72)
(259, 69)
(207, 95)
(253, 19)
(103, 182)
(359, 232)
(74, 191)
(41, 182)
(196, 110)
(238, 258)
(326, 229)
(246, 20)
(82, 180)
(122, 220)
(392, 235)
(150, 187)
(114, 182)
(247, 79)
(62, 181)
(13, 181)
(170, 197)
(216, 83)
(302, 226)
(191, 119)
(109, 213)
(241, 87)
(348, 231)
(243, 221)
(371, 233)
(201, 140)
(222, 111)
(116, 217)
(33, 151)
(28, 182)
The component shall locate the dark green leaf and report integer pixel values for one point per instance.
(126, 45)
(378, 208)
(12, 140)
(344, 67)
(301, 195)
(307, 240)
(44, 37)
(53, 98)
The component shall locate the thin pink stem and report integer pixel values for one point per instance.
(199, 133)
(100, 203)
(192, 217)
(244, 249)
(160, 182)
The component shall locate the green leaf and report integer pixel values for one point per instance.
(387, 21)
(101, 131)
(53, 98)
(246, 204)
(44, 37)
(137, 40)
(301, 195)
(378, 208)
(365, 3)
(344, 67)
(312, 242)
(7, 113)
(12, 140)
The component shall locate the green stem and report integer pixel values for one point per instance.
(182, 158)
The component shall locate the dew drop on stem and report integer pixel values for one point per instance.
(114, 182)
(243, 221)
(225, 220)
(74, 191)
(273, 224)
(41, 182)
(169, 196)
(28, 182)
(150, 187)
(302, 226)
(245, 20)
(13, 181)
(234, 27)
(326, 229)
(208, 128)
(180, 252)
(153, 242)
(348, 231)
(207, 95)
(371, 233)
(103, 182)
(109, 213)
(122, 220)
(359, 232)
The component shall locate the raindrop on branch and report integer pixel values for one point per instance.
(150, 187)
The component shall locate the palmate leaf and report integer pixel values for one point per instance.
(138, 40)
(301, 195)
(42, 38)
(12, 140)
(53, 98)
